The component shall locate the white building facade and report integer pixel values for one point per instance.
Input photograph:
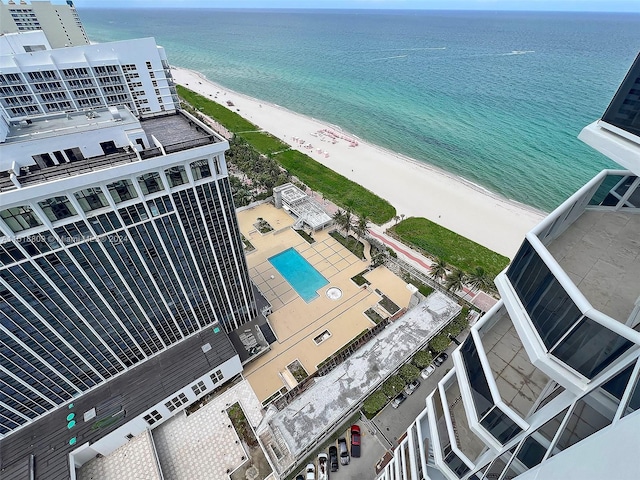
(59, 22)
(546, 384)
(134, 73)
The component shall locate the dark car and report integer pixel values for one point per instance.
(440, 359)
(333, 458)
(344, 451)
(355, 441)
(395, 403)
(299, 477)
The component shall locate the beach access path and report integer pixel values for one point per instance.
(414, 188)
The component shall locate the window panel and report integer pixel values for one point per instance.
(20, 218)
(150, 183)
(91, 199)
(200, 169)
(57, 208)
(590, 348)
(176, 176)
(122, 191)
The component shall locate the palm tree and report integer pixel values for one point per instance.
(402, 216)
(438, 269)
(455, 280)
(348, 220)
(479, 280)
(396, 218)
(361, 227)
(338, 218)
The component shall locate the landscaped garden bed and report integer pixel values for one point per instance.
(352, 244)
(360, 280)
(374, 316)
(256, 466)
(306, 236)
(263, 226)
(388, 305)
(297, 370)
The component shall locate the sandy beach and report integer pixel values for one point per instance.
(414, 188)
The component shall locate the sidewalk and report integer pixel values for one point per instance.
(478, 298)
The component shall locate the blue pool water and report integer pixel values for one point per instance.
(304, 279)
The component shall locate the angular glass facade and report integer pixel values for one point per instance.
(623, 109)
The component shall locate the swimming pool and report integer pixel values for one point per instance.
(304, 279)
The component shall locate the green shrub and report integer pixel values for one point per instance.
(409, 372)
(439, 343)
(374, 403)
(228, 119)
(422, 359)
(393, 386)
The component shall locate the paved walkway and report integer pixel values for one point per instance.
(480, 299)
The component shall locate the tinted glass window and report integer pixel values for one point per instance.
(498, 424)
(482, 399)
(624, 110)
(550, 308)
(590, 348)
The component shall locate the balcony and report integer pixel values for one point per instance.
(519, 382)
(599, 252)
(466, 440)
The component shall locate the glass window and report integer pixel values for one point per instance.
(548, 305)
(91, 199)
(589, 415)
(499, 465)
(122, 190)
(20, 218)
(634, 400)
(603, 194)
(498, 424)
(482, 399)
(57, 208)
(590, 348)
(200, 169)
(176, 176)
(9, 253)
(456, 465)
(150, 183)
(623, 110)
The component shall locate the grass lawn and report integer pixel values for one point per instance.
(264, 142)
(230, 120)
(456, 250)
(340, 190)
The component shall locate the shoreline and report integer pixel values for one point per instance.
(414, 188)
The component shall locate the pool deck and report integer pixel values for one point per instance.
(295, 322)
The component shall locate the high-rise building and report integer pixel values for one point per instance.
(60, 23)
(122, 269)
(546, 386)
(41, 81)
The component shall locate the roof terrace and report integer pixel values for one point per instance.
(168, 134)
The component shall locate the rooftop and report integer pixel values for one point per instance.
(175, 132)
(132, 393)
(600, 252)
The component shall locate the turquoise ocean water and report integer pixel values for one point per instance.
(498, 98)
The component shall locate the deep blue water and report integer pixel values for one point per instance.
(496, 97)
(300, 274)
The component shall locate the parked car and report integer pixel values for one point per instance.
(344, 451)
(311, 472)
(355, 441)
(323, 466)
(440, 359)
(427, 371)
(299, 477)
(411, 387)
(333, 458)
(401, 397)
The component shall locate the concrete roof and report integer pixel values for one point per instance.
(333, 396)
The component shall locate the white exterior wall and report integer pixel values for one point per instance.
(136, 426)
(14, 43)
(60, 23)
(144, 97)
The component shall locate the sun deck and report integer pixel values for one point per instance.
(600, 252)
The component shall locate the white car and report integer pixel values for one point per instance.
(311, 472)
(427, 371)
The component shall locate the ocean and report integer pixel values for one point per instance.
(495, 97)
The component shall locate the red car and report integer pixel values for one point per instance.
(355, 441)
